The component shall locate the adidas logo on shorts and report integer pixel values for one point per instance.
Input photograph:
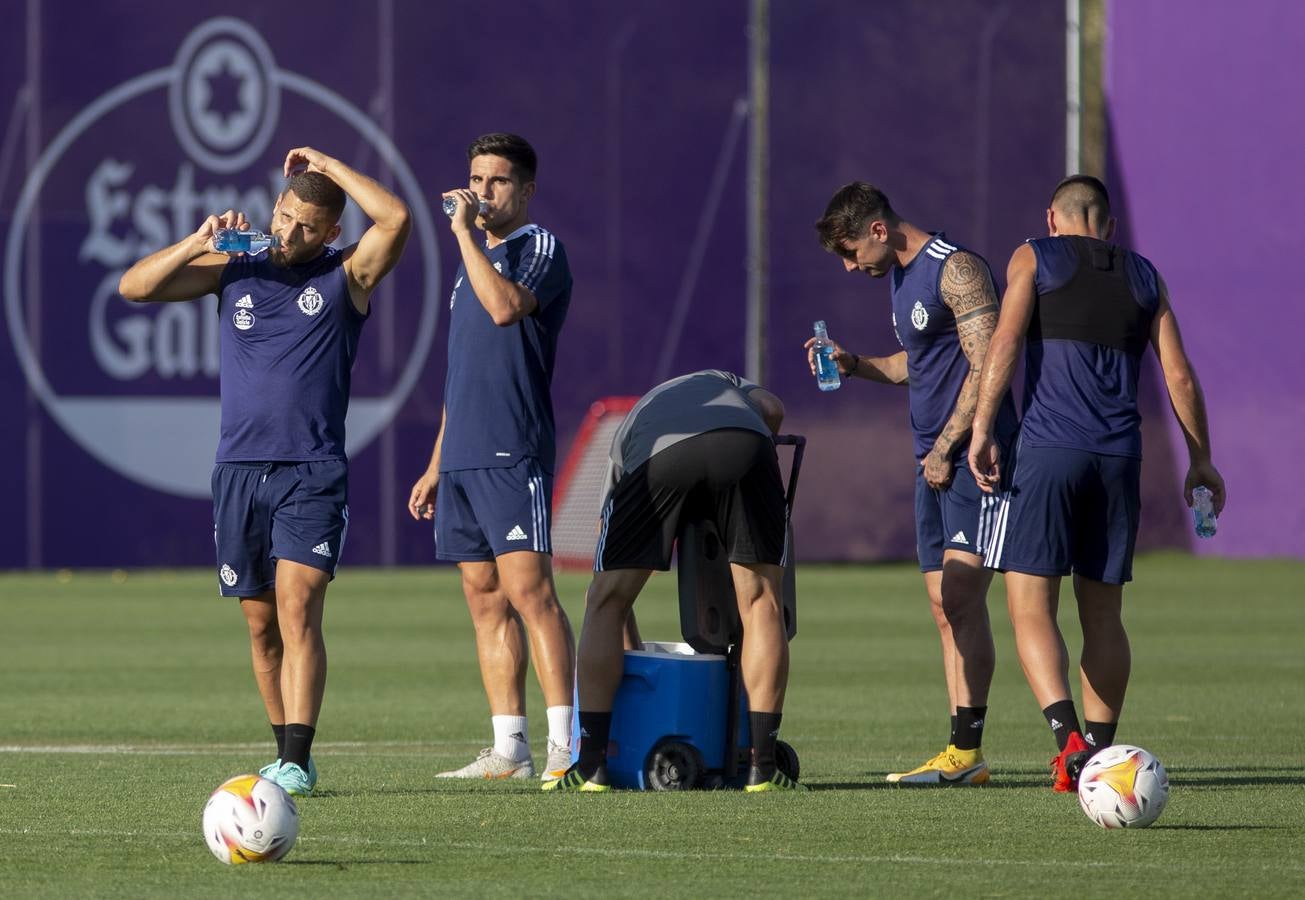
(516, 534)
(322, 549)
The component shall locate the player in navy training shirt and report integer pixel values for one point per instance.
(291, 319)
(1088, 309)
(489, 483)
(944, 311)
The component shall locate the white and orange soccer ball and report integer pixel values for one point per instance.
(1123, 787)
(249, 819)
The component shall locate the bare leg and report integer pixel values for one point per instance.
(527, 579)
(266, 650)
(500, 639)
(1033, 601)
(1106, 661)
(602, 654)
(933, 587)
(300, 601)
(965, 605)
(764, 658)
(631, 637)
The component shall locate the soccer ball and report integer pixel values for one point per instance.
(250, 819)
(1123, 787)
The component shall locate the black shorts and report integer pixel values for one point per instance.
(730, 477)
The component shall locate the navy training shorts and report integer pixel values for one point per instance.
(1068, 510)
(480, 514)
(263, 512)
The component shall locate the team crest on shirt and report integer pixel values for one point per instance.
(498, 267)
(228, 575)
(243, 319)
(919, 315)
(310, 302)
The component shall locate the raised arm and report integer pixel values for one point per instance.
(966, 289)
(379, 249)
(999, 364)
(187, 270)
(506, 301)
(1188, 402)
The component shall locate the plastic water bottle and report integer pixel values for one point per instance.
(1203, 512)
(451, 207)
(233, 240)
(827, 377)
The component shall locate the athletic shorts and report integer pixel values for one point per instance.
(1068, 511)
(953, 518)
(263, 512)
(481, 514)
(730, 476)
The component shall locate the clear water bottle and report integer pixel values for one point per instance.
(451, 206)
(233, 240)
(827, 377)
(1203, 512)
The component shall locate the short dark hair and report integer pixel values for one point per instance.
(849, 212)
(317, 189)
(512, 147)
(1082, 195)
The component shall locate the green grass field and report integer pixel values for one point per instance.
(126, 698)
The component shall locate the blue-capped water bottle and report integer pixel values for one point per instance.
(1203, 512)
(451, 206)
(827, 377)
(233, 240)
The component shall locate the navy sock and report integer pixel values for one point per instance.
(969, 727)
(1099, 735)
(298, 744)
(595, 727)
(1063, 719)
(279, 731)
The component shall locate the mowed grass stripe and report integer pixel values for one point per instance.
(499, 849)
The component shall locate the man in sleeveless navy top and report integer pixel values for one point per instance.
(489, 483)
(944, 311)
(290, 322)
(1087, 309)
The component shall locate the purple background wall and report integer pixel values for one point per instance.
(1206, 122)
(955, 109)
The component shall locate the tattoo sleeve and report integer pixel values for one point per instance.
(968, 292)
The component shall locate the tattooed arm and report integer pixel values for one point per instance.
(966, 290)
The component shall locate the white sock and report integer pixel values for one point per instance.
(510, 737)
(559, 725)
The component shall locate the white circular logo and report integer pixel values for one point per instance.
(919, 316)
(243, 319)
(310, 302)
(228, 575)
(222, 99)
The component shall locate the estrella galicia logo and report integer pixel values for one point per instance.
(310, 302)
(156, 365)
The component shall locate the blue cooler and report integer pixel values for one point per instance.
(669, 718)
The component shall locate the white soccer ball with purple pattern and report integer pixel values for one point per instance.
(1123, 787)
(249, 819)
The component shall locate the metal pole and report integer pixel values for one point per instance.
(758, 169)
(1073, 88)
